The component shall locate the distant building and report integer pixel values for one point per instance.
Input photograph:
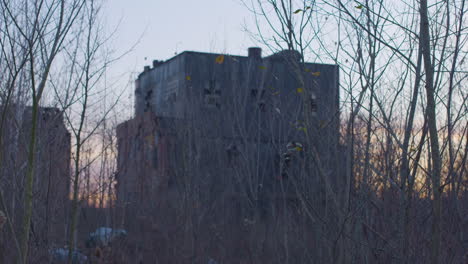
(51, 171)
(223, 134)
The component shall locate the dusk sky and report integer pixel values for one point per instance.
(160, 28)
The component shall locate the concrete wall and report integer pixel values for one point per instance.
(160, 90)
(202, 167)
(51, 174)
(248, 93)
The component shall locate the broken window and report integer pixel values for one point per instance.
(212, 95)
(261, 105)
(148, 98)
(212, 100)
(254, 92)
(258, 96)
(313, 104)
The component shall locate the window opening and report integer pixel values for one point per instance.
(261, 105)
(148, 100)
(212, 96)
(313, 104)
(254, 92)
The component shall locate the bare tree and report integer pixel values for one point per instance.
(82, 94)
(386, 53)
(40, 28)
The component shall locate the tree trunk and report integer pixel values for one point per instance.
(434, 140)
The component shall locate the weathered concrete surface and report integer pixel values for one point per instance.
(212, 164)
(51, 179)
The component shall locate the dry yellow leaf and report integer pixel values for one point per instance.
(220, 59)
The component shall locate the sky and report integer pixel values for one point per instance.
(158, 29)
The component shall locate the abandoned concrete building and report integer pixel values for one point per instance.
(216, 142)
(52, 171)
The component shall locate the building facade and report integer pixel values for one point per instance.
(51, 175)
(216, 142)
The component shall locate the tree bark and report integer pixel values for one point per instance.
(434, 140)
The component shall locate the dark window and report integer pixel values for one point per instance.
(313, 103)
(261, 105)
(212, 100)
(212, 95)
(148, 101)
(254, 92)
(155, 157)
